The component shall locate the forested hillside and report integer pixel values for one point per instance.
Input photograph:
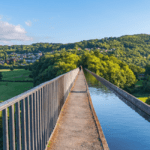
(132, 49)
(109, 67)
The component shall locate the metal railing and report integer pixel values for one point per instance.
(33, 114)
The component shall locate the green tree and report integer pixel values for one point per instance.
(11, 68)
(148, 101)
(5, 64)
(1, 76)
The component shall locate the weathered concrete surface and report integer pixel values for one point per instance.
(76, 128)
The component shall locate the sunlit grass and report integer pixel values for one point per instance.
(18, 74)
(11, 89)
(1, 70)
(143, 99)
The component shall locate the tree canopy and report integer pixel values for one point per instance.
(131, 49)
(109, 67)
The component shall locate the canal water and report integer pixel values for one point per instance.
(124, 125)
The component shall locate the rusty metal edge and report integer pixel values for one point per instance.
(97, 123)
(58, 120)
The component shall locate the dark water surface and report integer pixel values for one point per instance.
(124, 125)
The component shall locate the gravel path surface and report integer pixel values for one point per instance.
(76, 129)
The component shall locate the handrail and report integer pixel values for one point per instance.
(31, 125)
(13, 100)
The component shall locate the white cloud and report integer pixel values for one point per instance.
(9, 32)
(28, 23)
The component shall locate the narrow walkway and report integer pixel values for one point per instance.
(76, 129)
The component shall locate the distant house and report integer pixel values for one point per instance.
(11, 60)
(141, 75)
(7, 61)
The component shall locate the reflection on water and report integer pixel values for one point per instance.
(124, 125)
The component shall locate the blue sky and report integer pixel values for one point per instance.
(67, 21)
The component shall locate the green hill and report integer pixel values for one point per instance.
(132, 49)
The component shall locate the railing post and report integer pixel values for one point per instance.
(28, 123)
(23, 125)
(52, 105)
(5, 130)
(43, 141)
(18, 126)
(51, 109)
(40, 119)
(35, 120)
(12, 128)
(32, 122)
(45, 115)
(47, 112)
(37, 115)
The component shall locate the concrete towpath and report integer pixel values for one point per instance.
(76, 129)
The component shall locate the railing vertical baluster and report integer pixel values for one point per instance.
(45, 114)
(52, 105)
(18, 126)
(37, 112)
(49, 111)
(46, 117)
(28, 123)
(35, 120)
(23, 125)
(32, 122)
(55, 101)
(5, 130)
(12, 128)
(43, 117)
(40, 119)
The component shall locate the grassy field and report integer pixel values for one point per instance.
(143, 99)
(11, 89)
(1, 70)
(140, 96)
(17, 74)
(139, 83)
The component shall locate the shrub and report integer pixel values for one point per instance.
(11, 68)
(148, 101)
(1, 76)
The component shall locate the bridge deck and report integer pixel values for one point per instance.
(76, 129)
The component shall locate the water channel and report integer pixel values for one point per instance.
(124, 125)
